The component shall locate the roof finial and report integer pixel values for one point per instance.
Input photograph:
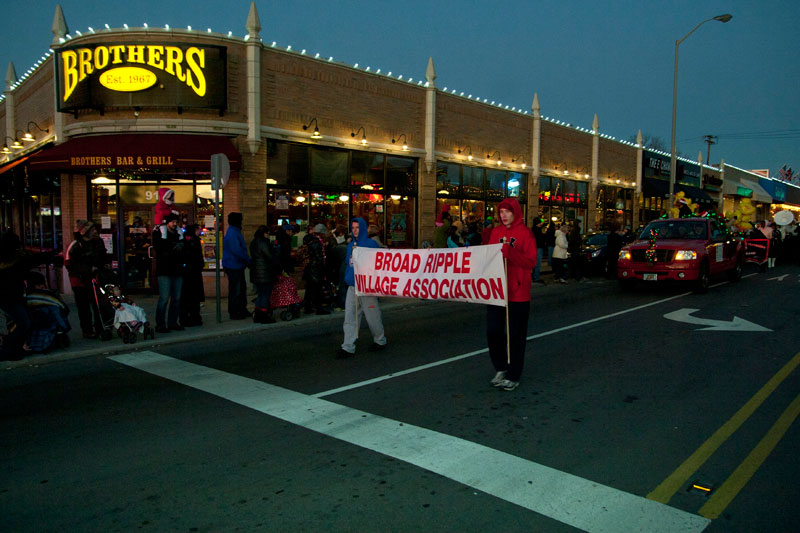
(430, 74)
(11, 75)
(253, 24)
(59, 29)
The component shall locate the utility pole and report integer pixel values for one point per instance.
(709, 140)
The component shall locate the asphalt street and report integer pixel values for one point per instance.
(651, 410)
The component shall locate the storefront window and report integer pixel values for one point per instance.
(370, 207)
(400, 221)
(367, 171)
(330, 209)
(329, 168)
(495, 185)
(448, 179)
(343, 184)
(41, 211)
(472, 185)
(401, 175)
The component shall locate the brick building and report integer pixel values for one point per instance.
(115, 114)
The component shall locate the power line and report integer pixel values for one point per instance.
(753, 135)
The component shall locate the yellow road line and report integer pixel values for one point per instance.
(723, 496)
(667, 489)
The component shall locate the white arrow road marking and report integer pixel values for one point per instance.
(570, 499)
(737, 324)
(779, 278)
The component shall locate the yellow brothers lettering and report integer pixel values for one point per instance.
(188, 66)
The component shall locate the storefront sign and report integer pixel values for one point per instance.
(473, 274)
(146, 75)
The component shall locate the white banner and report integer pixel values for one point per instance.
(474, 274)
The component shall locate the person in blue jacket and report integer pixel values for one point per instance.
(234, 260)
(366, 305)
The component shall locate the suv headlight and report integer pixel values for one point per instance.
(597, 253)
(625, 255)
(685, 255)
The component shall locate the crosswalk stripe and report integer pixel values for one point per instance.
(563, 497)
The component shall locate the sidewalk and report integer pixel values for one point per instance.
(80, 347)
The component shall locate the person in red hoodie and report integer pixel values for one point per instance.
(519, 253)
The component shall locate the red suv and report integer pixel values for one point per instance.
(682, 249)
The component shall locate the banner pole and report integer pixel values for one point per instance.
(355, 290)
(508, 330)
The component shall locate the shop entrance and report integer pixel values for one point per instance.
(126, 213)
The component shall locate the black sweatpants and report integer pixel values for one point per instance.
(518, 313)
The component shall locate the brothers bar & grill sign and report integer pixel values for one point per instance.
(142, 75)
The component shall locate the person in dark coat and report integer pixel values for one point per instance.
(283, 238)
(336, 253)
(575, 243)
(170, 258)
(314, 273)
(234, 261)
(538, 235)
(83, 257)
(14, 321)
(192, 291)
(265, 266)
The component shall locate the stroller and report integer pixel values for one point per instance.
(284, 294)
(117, 311)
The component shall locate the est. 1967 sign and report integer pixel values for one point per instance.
(98, 76)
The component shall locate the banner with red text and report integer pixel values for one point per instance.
(474, 274)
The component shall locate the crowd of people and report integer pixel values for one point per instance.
(35, 319)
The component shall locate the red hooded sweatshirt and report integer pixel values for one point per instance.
(519, 250)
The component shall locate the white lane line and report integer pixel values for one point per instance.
(563, 497)
(484, 350)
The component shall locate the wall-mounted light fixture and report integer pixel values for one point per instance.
(363, 140)
(496, 153)
(520, 158)
(468, 150)
(316, 134)
(16, 145)
(405, 141)
(28, 136)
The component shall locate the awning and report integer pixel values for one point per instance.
(134, 151)
(746, 189)
(698, 195)
(8, 166)
(759, 194)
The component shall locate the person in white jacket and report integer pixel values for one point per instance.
(560, 254)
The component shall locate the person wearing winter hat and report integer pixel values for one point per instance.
(170, 261)
(519, 253)
(84, 255)
(234, 261)
(442, 228)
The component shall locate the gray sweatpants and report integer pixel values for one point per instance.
(368, 307)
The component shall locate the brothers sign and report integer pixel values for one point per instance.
(146, 75)
(473, 274)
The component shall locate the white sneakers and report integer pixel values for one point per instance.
(499, 380)
(507, 384)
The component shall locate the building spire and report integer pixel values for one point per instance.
(11, 75)
(430, 74)
(253, 24)
(60, 29)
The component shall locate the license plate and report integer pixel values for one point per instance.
(650, 277)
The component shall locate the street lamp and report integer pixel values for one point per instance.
(673, 164)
